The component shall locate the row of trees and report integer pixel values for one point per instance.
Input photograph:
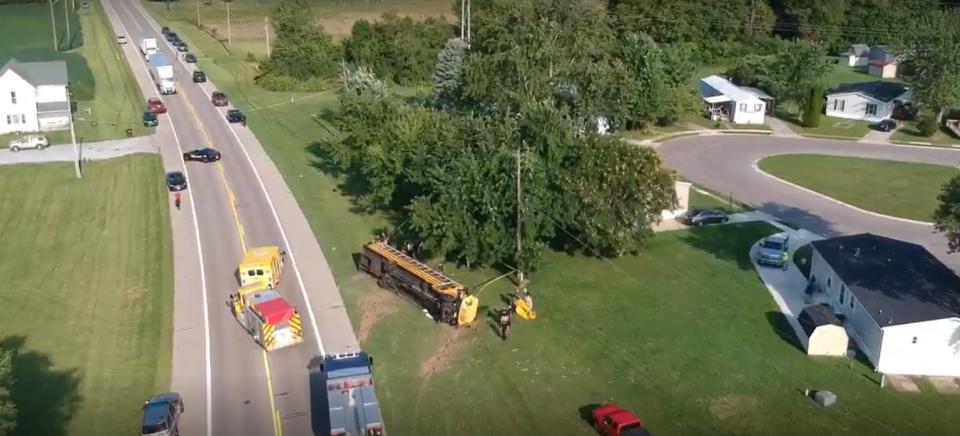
(8, 410)
(532, 93)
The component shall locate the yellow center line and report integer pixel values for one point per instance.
(275, 414)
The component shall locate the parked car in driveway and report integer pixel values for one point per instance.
(219, 99)
(701, 217)
(613, 420)
(156, 105)
(199, 76)
(236, 116)
(205, 154)
(774, 251)
(150, 119)
(26, 142)
(885, 125)
(161, 415)
(190, 58)
(176, 181)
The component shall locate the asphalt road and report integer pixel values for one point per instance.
(726, 164)
(229, 384)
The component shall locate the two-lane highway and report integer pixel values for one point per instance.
(246, 390)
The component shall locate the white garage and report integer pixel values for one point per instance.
(898, 302)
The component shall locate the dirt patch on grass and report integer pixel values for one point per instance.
(731, 406)
(374, 305)
(452, 340)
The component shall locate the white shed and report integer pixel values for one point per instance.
(825, 333)
(868, 101)
(729, 102)
(900, 304)
(856, 55)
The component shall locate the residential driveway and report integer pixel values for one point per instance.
(91, 151)
(878, 137)
(726, 165)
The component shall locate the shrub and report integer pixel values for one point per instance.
(281, 83)
(927, 126)
(814, 107)
(251, 57)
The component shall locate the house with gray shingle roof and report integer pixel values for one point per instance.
(867, 101)
(33, 96)
(857, 55)
(882, 62)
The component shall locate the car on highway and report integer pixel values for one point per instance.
(774, 251)
(236, 116)
(181, 46)
(199, 76)
(38, 142)
(884, 125)
(176, 181)
(205, 154)
(219, 99)
(165, 30)
(121, 39)
(172, 36)
(613, 420)
(700, 217)
(161, 415)
(156, 105)
(150, 118)
(190, 58)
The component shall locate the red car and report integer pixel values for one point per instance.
(156, 106)
(613, 420)
(219, 99)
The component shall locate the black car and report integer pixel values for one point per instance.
(172, 36)
(885, 125)
(199, 76)
(206, 154)
(165, 30)
(182, 46)
(699, 217)
(236, 116)
(161, 414)
(190, 58)
(176, 181)
(219, 99)
(150, 119)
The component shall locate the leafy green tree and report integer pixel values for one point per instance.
(796, 69)
(303, 50)
(818, 20)
(448, 75)
(814, 107)
(946, 218)
(398, 49)
(931, 67)
(8, 410)
(361, 82)
(927, 126)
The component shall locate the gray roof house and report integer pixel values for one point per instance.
(899, 303)
(856, 55)
(882, 62)
(867, 101)
(33, 96)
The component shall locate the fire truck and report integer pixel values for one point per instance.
(272, 321)
(442, 297)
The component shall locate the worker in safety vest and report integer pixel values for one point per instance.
(504, 322)
(785, 257)
(176, 200)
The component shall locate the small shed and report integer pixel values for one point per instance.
(825, 332)
(857, 55)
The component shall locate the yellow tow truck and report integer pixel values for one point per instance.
(272, 321)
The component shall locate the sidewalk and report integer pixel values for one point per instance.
(780, 128)
(92, 151)
(876, 136)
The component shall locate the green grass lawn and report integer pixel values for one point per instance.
(701, 197)
(26, 33)
(841, 73)
(87, 299)
(910, 133)
(901, 189)
(830, 127)
(683, 333)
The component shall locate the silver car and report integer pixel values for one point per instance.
(774, 251)
(38, 142)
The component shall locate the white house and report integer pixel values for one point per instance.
(857, 55)
(869, 101)
(33, 96)
(900, 305)
(882, 62)
(729, 102)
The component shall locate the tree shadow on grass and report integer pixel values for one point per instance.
(45, 398)
(781, 326)
(800, 218)
(586, 413)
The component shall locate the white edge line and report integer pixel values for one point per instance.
(196, 233)
(756, 168)
(293, 261)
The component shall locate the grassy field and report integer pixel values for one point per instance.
(117, 103)
(700, 197)
(87, 302)
(830, 127)
(910, 133)
(906, 190)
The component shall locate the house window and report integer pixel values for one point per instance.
(23, 119)
(9, 122)
(743, 107)
(851, 302)
(839, 104)
(914, 340)
(871, 108)
(843, 293)
(758, 107)
(829, 280)
(13, 97)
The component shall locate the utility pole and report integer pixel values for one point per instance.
(229, 36)
(266, 32)
(53, 25)
(468, 21)
(66, 18)
(463, 18)
(198, 14)
(521, 280)
(73, 138)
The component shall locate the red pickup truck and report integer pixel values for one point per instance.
(613, 420)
